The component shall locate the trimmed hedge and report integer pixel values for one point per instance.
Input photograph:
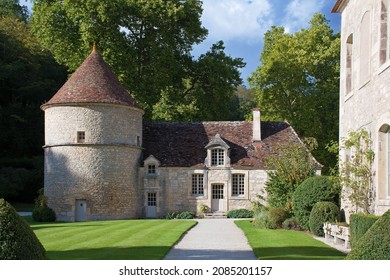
(375, 244)
(185, 215)
(240, 213)
(311, 191)
(43, 214)
(17, 240)
(276, 217)
(323, 211)
(358, 226)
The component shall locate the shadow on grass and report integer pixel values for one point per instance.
(111, 253)
(298, 253)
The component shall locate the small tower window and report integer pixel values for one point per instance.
(152, 169)
(80, 136)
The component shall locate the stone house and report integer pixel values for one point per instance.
(365, 88)
(103, 162)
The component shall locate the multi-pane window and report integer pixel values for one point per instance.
(349, 63)
(384, 32)
(152, 199)
(151, 169)
(197, 184)
(238, 184)
(217, 157)
(80, 136)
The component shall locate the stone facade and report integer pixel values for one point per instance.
(365, 88)
(103, 162)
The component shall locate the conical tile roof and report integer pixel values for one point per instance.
(93, 82)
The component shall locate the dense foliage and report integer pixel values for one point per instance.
(323, 211)
(42, 212)
(17, 240)
(148, 44)
(276, 217)
(29, 76)
(311, 191)
(298, 81)
(290, 165)
(375, 244)
(240, 213)
(359, 225)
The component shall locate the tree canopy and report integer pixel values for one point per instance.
(148, 44)
(298, 81)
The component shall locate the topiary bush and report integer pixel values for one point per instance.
(240, 213)
(185, 215)
(43, 214)
(323, 211)
(276, 217)
(17, 240)
(311, 191)
(375, 243)
(359, 224)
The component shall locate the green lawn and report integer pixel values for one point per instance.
(110, 240)
(270, 244)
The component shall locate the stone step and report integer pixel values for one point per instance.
(215, 215)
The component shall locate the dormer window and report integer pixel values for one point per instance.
(152, 169)
(217, 153)
(217, 157)
(80, 136)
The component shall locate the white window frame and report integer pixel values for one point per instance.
(238, 184)
(152, 169)
(80, 136)
(217, 157)
(197, 184)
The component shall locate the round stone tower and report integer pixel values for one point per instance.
(93, 132)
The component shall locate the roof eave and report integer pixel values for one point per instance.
(339, 6)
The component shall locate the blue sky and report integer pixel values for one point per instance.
(241, 24)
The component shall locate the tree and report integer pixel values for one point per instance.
(148, 44)
(28, 77)
(356, 171)
(298, 81)
(12, 8)
(289, 166)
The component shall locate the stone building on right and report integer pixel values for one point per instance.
(365, 89)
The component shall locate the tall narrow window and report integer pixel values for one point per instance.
(349, 59)
(217, 157)
(80, 136)
(384, 32)
(365, 54)
(238, 184)
(197, 184)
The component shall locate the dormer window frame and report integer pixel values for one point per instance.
(217, 153)
(151, 165)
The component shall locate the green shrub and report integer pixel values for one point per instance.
(43, 214)
(170, 216)
(375, 244)
(204, 208)
(240, 213)
(185, 215)
(359, 224)
(17, 240)
(322, 212)
(311, 191)
(261, 217)
(291, 224)
(276, 217)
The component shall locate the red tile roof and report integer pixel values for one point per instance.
(93, 82)
(183, 144)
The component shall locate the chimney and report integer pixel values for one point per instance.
(256, 125)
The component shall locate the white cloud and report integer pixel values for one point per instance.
(298, 13)
(245, 20)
